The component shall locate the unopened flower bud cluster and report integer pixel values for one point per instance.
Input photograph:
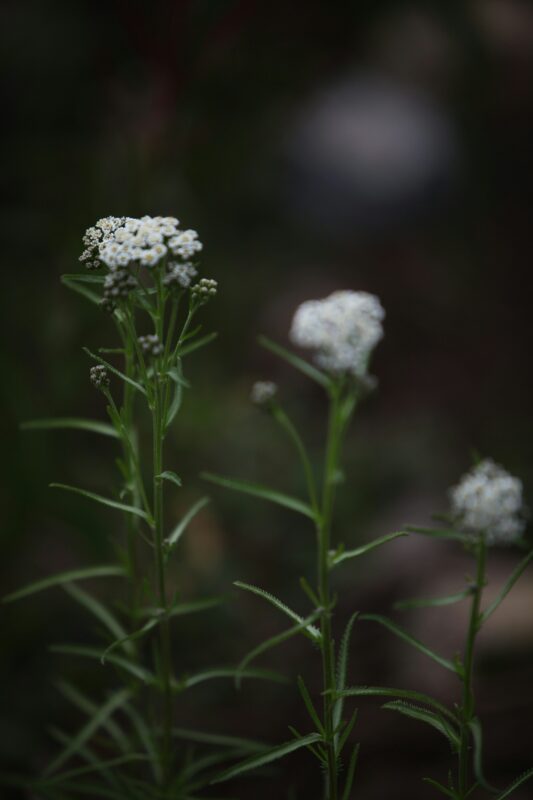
(117, 285)
(99, 376)
(205, 289)
(342, 329)
(150, 344)
(488, 501)
(263, 392)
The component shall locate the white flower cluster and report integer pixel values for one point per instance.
(118, 241)
(263, 392)
(488, 501)
(343, 329)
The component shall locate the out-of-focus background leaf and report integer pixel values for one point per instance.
(315, 146)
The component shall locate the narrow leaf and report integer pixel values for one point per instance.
(278, 639)
(441, 788)
(423, 715)
(515, 575)
(337, 558)
(178, 394)
(189, 681)
(65, 577)
(219, 740)
(515, 784)
(112, 762)
(83, 277)
(311, 629)
(60, 423)
(168, 475)
(106, 501)
(296, 362)
(342, 667)
(439, 533)
(132, 667)
(202, 342)
(433, 601)
(99, 610)
(267, 757)
(105, 711)
(183, 524)
(402, 634)
(351, 773)
(130, 637)
(309, 705)
(114, 370)
(146, 738)
(263, 492)
(406, 694)
(87, 706)
(81, 289)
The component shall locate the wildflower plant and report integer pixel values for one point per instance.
(341, 331)
(486, 511)
(142, 273)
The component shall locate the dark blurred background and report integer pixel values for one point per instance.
(382, 146)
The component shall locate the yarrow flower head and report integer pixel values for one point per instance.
(488, 501)
(99, 376)
(343, 329)
(119, 241)
(263, 392)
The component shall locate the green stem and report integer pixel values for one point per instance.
(467, 706)
(164, 630)
(324, 592)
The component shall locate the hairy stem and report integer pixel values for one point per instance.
(467, 706)
(324, 592)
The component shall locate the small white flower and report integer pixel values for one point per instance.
(343, 329)
(263, 392)
(488, 501)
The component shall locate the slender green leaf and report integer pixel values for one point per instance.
(350, 773)
(402, 634)
(429, 717)
(296, 362)
(515, 784)
(433, 601)
(267, 757)
(86, 705)
(100, 612)
(439, 533)
(83, 277)
(508, 585)
(336, 558)
(112, 762)
(317, 750)
(178, 394)
(188, 681)
(309, 705)
(131, 637)
(343, 738)
(106, 501)
(87, 754)
(177, 376)
(187, 349)
(342, 667)
(477, 736)
(441, 788)
(60, 423)
(115, 371)
(132, 667)
(311, 629)
(113, 703)
(263, 492)
(182, 525)
(168, 475)
(146, 738)
(278, 639)
(81, 289)
(61, 578)
(219, 740)
(406, 694)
